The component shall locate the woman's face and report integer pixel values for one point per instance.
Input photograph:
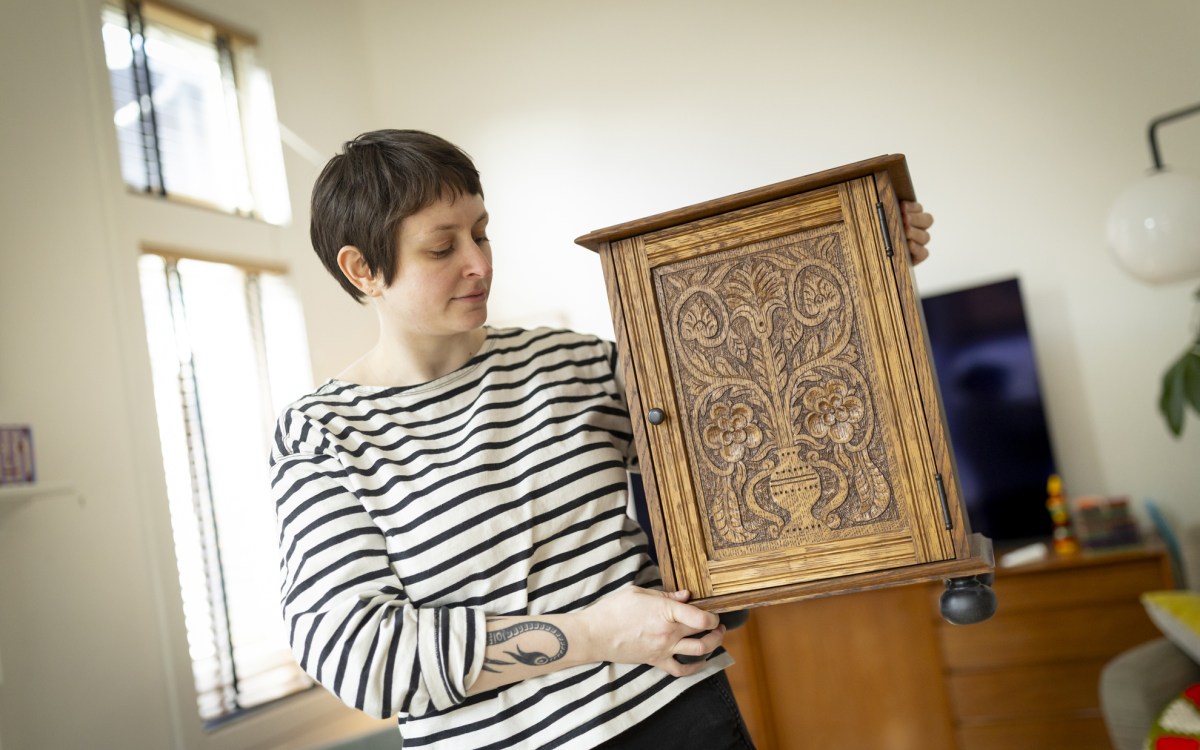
(443, 269)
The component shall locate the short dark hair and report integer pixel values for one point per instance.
(378, 180)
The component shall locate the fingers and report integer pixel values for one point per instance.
(690, 654)
(917, 252)
(915, 215)
(917, 236)
(693, 617)
(917, 239)
(701, 645)
(916, 222)
(649, 626)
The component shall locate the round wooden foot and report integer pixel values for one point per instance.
(967, 601)
(735, 619)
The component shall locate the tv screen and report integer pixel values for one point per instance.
(993, 404)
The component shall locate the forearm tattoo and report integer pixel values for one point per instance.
(530, 658)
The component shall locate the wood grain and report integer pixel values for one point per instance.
(742, 227)
(823, 662)
(979, 562)
(1086, 579)
(794, 459)
(747, 678)
(892, 164)
(927, 390)
(913, 454)
(633, 402)
(1029, 677)
(676, 496)
(1037, 734)
(1047, 691)
(1041, 637)
(855, 671)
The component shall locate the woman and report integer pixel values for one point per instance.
(452, 507)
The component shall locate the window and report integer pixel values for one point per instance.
(194, 115)
(228, 352)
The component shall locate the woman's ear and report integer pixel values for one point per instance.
(355, 267)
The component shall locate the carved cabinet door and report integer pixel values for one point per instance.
(789, 436)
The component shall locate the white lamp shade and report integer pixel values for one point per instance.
(1154, 228)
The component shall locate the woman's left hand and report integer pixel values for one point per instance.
(916, 225)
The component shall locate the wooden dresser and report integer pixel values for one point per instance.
(1028, 678)
(880, 669)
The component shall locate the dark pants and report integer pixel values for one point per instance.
(704, 716)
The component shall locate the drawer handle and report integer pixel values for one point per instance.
(656, 416)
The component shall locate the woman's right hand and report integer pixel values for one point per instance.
(630, 626)
(645, 626)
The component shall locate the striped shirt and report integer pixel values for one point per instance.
(408, 515)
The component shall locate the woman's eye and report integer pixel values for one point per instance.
(443, 252)
(481, 240)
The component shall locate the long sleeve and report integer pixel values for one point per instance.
(349, 620)
(409, 514)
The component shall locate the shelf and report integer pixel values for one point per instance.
(17, 492)
(14, 496)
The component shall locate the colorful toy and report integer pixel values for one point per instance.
(1065, 542)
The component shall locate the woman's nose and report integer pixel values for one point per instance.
(480, 261)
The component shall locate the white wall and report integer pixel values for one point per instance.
(1020, 123)
(90, 622)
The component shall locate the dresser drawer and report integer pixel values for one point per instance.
(1048, 691)
(1044, 637)
(1039, 734)
(1087, 584)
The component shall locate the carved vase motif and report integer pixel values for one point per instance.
(796, 487)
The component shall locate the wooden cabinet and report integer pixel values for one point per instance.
(880, 669)
(784, 409)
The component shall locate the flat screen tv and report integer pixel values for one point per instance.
(992, 399)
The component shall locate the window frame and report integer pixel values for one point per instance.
(251, 273)
(235, 50)
(306, 719)
(303, 719)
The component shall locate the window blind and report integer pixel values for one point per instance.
(177, 104)
(227, 354)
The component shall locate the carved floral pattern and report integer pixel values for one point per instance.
(731, 431)
(833, 411)
(818, 295)
(768, 367)
(698, 322)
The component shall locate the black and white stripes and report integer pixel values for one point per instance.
(407, 515)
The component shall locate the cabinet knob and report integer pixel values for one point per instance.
(656, 416)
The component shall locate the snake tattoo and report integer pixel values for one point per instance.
(530, 658)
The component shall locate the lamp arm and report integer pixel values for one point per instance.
(1178, 115)
(1196, 343)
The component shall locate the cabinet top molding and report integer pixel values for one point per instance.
(894, 164)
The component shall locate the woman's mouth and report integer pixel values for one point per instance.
(477, 296)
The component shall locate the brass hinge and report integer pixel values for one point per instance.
(883, 227)
(941, 488)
